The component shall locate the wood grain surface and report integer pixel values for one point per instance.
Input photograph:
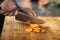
(15, 30)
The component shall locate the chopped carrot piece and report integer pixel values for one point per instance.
(43, 30)
(29, 30)
(37, 28)
(34, 25)
(36, 31)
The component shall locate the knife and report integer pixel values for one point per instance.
(25, 17)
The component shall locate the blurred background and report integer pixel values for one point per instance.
(42, 7)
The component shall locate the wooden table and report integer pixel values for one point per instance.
(15, 30)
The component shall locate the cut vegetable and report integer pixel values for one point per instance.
(37, 28)
(43, 31)
(36, 31)
(29, 30)
(34, 25)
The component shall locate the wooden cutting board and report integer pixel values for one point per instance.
(15, 30)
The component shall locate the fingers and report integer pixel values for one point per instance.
(31, 12)
(8, 5)
(16, 12)
(34, 13)
(5, 13)
(11, 13)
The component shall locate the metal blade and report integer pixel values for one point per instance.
(25, 17)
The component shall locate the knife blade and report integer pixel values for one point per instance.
(25, 17)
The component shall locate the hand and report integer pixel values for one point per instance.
(31, 12)
(9, 7)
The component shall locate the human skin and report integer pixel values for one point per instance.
(8, 5)
(27, 5)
